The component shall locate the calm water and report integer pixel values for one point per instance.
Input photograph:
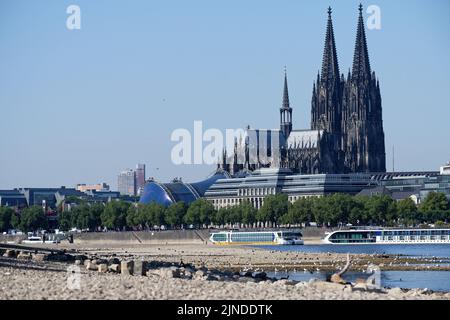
(433, 280)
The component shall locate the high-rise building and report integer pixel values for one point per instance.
(95, 187)
(126, 182)
(140, 177)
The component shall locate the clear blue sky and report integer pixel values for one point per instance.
(79, 106)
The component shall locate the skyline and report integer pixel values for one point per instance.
(75, 84)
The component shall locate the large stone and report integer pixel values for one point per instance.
(199, 274)
(140, 268)
(91, 266)
(326, 286)
(24, 255)
(10, 254)
(127, 267)
(114, 268)
(103, 267)
(39, 256)
(335, 278)
(86, 262)
(167, 273)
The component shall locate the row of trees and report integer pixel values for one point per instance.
(331, 211)
(31, 219)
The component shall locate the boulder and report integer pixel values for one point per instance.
(103, 267)
(10, 254)
(326, 286)
(114, 268)
(336, 278)
(140, 268)
(24, 255)
(85, 262)
(127, 267)
(91, 266)
(199, 274)
(167, 273)
(39, 256)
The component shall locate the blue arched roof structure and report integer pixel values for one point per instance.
(169, 193)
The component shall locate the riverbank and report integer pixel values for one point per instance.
(239, 258)
(47, 280)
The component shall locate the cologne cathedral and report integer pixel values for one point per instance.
(346, 134)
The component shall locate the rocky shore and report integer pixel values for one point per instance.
(183, 272)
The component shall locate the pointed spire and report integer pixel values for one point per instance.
(361, 63)
(330, 64)
(285, 92)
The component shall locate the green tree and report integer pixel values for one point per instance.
(339, 208)
(200, 211)
(33, 219)
(435, 201)
(299, 212)
(133, 216)
(6, 214)
(219, 216)
(248, 212)
(175, 213)
(114, 214)
(320, 210)
(155, 214)
(381, 210)
(65, 220)
(15, 221)
(274, 207)
(407, 211)
(358, 214)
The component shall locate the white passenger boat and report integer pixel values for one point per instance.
(38, 239)
(257, 238)
(388, 236)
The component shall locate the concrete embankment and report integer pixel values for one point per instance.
(144, 237)
(7, 238)
(310, 235)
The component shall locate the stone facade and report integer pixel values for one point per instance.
(346, 134)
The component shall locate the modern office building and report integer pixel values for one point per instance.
(92, 187)
(126, 182)
(414, 185)
(12, 198)
(256, 186)
(140, 178)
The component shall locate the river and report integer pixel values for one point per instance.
(433, 280)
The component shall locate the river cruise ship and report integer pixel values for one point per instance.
(257, 238)
(388, 236)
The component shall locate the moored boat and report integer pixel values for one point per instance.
(257, 238)
(388, 236)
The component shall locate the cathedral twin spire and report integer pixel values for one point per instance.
(330, 65)
(361, 63)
